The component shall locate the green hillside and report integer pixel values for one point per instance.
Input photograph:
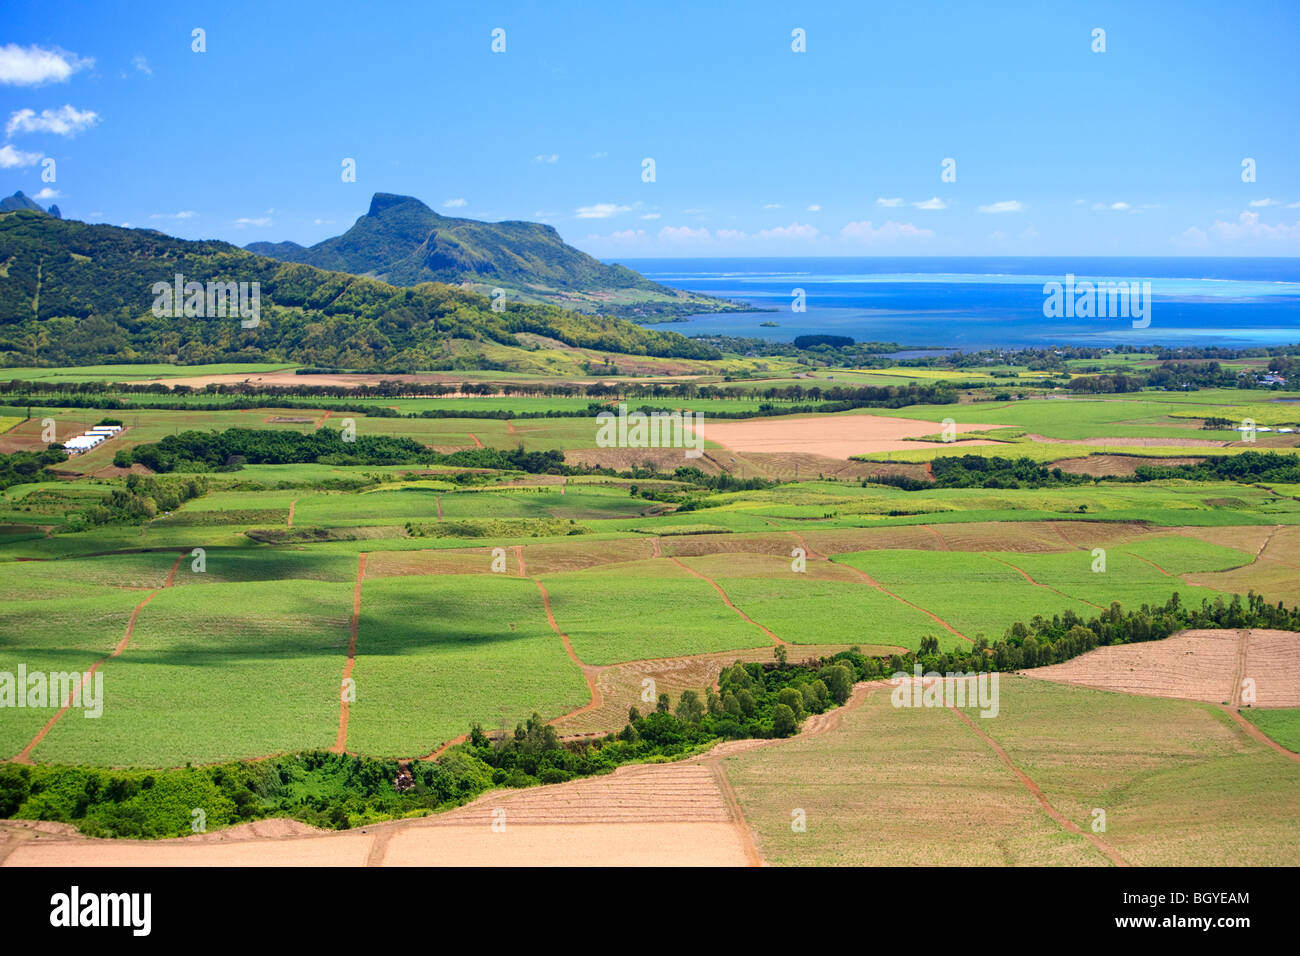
(402, 241)
(79, 294)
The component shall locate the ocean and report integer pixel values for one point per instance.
(976, 303)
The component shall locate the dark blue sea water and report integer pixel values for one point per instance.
(973, 303)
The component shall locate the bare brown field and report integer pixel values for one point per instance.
(26, 436)
(1115, 464)
(623, 459)
(1275, 571)
(1206, 665)
(791, 466)
(831, 436)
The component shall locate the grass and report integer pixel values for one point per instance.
(1180, 785)
(217, 673)
(643, 610)
(436, 654)
(1282, 724)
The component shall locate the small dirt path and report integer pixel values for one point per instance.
(341, 740)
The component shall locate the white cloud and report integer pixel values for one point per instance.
(683, 234)
(731, 235)
(322, 222)
(32, 66)
(10, 157)
(454, 203)
(47, 193)
(624, 235)
(183, 214)
(601, 210)
(546, 158)
(772, 205)
(1260, 203)
(259, 222)
(793, 231)
(1119, 206)
(894, 203)
(1293, 205)
(932, 203)
(815, 208)
(65, 121)
(1006, 205)
(864, 231)
(1248, 226)
(1081, 202)
(142, 65)
(651, 215)
(599, 155)
(1192, 237)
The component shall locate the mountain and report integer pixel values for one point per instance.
(21, 200)
(402, 241)
(79, 294)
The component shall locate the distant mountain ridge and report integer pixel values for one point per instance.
(72, 293)
(400, 240)
(20, 200)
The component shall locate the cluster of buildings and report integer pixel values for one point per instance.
(91, 439)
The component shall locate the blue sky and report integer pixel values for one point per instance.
(758, 150)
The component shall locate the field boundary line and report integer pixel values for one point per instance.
(340, 741)
(1033, 788)
(943, 542)
(1150, 562)
(24, 755)
(1257, 734)
(1039, 584)
(884, 590)
(752, 856)
(726, 600)
(588, 670)
(808, 551)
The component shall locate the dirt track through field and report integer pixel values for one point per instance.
(1033, 788)
(1150, 562)
(726, 600)
(25, 755)
(519, 557)
(477, 443)
(589, 673)
(324, 418)
(882, 589)
(1038, 584)
(291, 505)
(341, 740)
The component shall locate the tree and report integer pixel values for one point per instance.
(665, 702)
(838, 680)
(792, 698)
(689, 707)
(779, 652)
(783, 721)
